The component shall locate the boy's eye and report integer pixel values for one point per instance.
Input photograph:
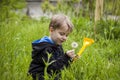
(62, 33)
(66, 35)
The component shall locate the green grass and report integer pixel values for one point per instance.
(101, 61)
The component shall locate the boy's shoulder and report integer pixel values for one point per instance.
(44, 45)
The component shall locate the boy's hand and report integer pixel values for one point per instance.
(71, 53)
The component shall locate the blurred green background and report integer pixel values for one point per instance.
(22, 21)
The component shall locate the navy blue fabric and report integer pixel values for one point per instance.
(41, 49)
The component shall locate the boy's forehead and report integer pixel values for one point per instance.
(64, 29)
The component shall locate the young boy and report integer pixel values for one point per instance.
(59, 28)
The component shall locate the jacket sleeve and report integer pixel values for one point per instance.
(59, 62)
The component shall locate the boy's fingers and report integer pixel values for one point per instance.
(71, 51)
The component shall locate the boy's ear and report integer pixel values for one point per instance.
(51, 29)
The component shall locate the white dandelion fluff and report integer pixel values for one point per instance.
(74, 44)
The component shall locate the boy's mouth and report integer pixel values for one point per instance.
(61, 41)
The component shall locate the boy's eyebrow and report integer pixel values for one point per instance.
(62, 32)
(65, 32)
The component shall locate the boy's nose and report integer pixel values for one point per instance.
(64, 38)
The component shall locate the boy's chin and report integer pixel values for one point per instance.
(59, 43)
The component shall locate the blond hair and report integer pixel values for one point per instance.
(58, 20)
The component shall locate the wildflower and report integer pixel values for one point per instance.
(74, 44)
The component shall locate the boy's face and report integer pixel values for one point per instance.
(59, 35)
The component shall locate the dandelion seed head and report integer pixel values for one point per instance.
(74, 44)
